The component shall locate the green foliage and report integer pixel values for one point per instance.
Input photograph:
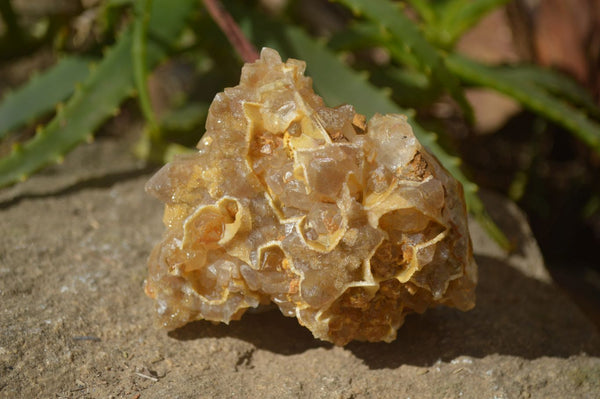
(98, 98)
(559, 85)
(531, 94)
(406, 42)
(548, 93)
(447, 20)
(409, 87)
(139, 58)
(40, 95)
(423, 67)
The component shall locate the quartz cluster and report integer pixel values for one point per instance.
(346, 225)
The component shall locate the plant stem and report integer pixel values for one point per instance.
(139, 61)
(242, 45)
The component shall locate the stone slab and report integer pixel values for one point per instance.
(74, 321)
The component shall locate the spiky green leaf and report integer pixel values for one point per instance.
(409, 88)
(455, 17)
(407, 42)
(110, 82)
(554, 82)
(357, 36)
(530, 95)
(101, 93)
(40, 95)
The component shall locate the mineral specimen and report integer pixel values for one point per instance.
(346, 225)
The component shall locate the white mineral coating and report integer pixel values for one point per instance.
(347, 226)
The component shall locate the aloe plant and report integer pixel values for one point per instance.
(95, 100)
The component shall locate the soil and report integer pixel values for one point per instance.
(75, 323)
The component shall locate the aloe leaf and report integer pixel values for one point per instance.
(95, 101)
(455, 17)
(327, 71)
(362, 35)
(355, 37)
(530, 95)
(555, 83)
(40, 95)
(110, 82)
(118, 3)
(167, 19)
(408, 39)
(426, 10)
(408, 88)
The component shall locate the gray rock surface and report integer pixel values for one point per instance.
(74, 321)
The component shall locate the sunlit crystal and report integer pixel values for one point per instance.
(346, 225)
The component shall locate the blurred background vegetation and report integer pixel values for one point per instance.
(504, 92)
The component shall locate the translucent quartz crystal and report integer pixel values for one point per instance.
(346, 225)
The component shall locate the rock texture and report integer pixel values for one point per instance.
(75, 323)
(346, 225)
